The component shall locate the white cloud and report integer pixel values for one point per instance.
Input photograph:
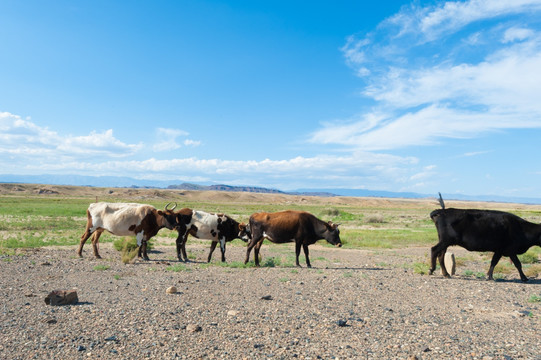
(101, 154)
(454, 83)
(167, 139)
(517, 34)
(25, 138)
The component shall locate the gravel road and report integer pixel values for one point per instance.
(353, 304)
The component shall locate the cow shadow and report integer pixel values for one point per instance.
(498, 281)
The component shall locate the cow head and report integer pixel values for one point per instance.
(183, 218)
(244, 232)
(169, 216)
(332, 234)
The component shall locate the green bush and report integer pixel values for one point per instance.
(529, 257)
(128, 243)
(420, 268)
(128, 247)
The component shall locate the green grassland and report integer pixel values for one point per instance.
(33, 220)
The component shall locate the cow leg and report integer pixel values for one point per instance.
(297, 252)
(84, 238)
(181, 243)
(212, 247)
(256, 251)
(183, 248)
(497, 256)
(305, 248)
(435, 252)
(518, 265)
(143, 250)
(142, 243)
(95, 239)
(249, 248)
(222, 247)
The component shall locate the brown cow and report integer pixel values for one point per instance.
(126, 219)
(290, 226)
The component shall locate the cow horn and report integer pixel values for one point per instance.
(442, 204)
(166, 206)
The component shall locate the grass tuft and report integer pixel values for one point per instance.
(421, 268)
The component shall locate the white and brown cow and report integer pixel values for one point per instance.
(290, 226)
(126, 219)
(202, 225)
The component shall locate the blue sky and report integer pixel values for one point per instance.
(421, 96)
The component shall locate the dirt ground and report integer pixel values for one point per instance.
(353, 304)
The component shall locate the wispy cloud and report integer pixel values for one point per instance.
(433, 78)
(167, 139)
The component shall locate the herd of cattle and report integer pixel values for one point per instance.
(500, 232)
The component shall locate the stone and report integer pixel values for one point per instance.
(193, 328)
(50, 320)
(171, 290)
(232, 313)
(450, 263)
(61, 297)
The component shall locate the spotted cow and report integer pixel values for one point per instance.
(218, 228)
(126, 219)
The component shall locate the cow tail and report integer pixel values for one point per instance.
(442, 204)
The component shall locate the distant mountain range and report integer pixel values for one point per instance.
(117, 181)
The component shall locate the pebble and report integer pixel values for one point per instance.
(193, 328)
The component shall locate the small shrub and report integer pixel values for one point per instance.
(117, 277)
(532, 270)
(101, 267)
(375, 219)
(468, 273)
(480, 275)
(236, 264)
(528, 257)
(534, 298)
(347, 274)
(331, 212)
(498, 276)
(128, 256)
(271, 262)
(128, 247)
(420, 268)
(178, 268)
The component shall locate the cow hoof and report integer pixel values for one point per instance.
(524, 279)
(98, 257)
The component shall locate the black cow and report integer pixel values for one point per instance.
(287, 226)
(503, 233)
(202, 225)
